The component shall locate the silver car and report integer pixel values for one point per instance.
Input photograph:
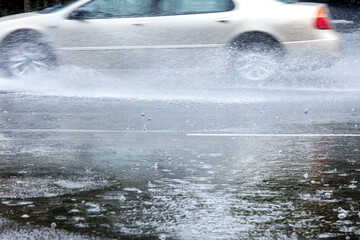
(253, 39)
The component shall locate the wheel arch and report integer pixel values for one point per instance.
(245, 38)
(23, 33)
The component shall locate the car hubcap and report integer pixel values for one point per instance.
(255, 66)
(25, 59)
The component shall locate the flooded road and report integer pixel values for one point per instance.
(181, 156)
(120, 169)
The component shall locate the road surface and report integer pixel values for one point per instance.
(181, 155)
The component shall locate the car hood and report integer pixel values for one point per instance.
(18, 16)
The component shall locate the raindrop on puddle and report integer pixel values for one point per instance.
(342, 213)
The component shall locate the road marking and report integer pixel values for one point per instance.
(76, 131)
(100, 131)
(271, 135)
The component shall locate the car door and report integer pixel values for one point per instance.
(105, 34)
(191, 32)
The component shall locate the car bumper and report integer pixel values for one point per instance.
(314, 53)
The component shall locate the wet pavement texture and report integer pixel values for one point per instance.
(88, 168)
(89, 156)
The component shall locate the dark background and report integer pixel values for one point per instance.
(8, 7)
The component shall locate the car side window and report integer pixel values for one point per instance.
(182, 7)
(99, 9)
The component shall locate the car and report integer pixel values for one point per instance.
(252, 39)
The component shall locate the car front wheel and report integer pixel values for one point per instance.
(24, 56)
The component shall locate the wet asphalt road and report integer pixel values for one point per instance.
(84, 156)
(76, 167)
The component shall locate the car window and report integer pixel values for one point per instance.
(179, 7)
(116, 9)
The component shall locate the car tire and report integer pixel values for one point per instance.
(255, 63)
(24, 54)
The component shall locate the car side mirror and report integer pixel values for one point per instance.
(78, 14)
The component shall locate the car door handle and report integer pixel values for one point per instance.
(139, 23)
(223, 21)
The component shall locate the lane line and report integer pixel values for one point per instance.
(100, 131)
(272, 135)
(78, 131)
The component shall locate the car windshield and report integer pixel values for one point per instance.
(57, 7)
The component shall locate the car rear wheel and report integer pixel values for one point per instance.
(23, 56)
(255, 62)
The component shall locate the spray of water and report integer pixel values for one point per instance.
(193, 84)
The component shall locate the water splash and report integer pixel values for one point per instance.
(343, 79)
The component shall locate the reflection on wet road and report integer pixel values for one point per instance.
(123, 169)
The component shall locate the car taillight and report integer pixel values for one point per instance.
(322, 19)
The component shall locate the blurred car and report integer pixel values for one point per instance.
(253, 39)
